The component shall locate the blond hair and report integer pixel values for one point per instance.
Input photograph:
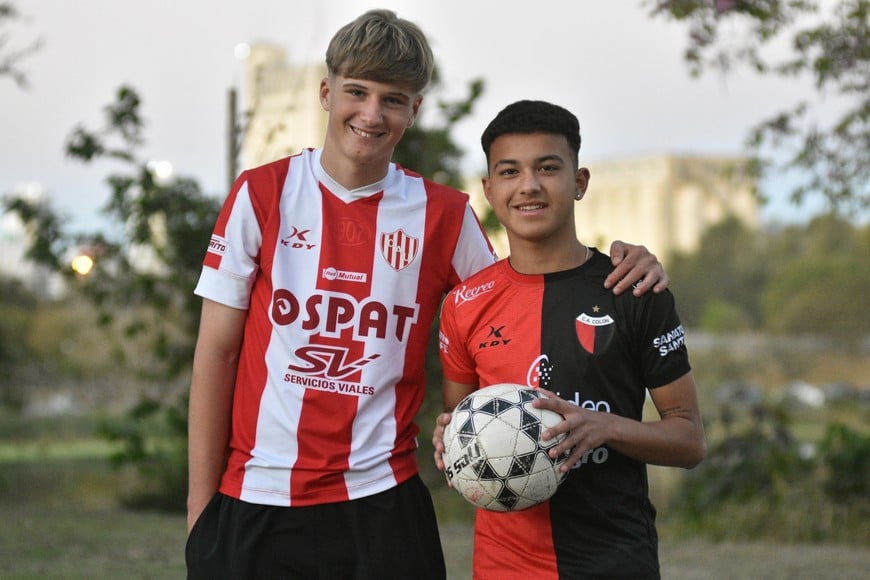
(379, 46)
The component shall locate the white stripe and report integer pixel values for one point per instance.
(375, 425)
(276, 446)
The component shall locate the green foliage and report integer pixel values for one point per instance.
(44, 227)
(761, 460)
(822, 294)
(721, 316)
(149, 273)
(803, 279)
(141, 287)
(152, 442)
(11, 57)
(726, 269)
(431, 150)
(819, 285)
(827, 44)
(846, 457)
(760, 482)
(16, 302)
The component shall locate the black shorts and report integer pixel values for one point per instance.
(389, 535)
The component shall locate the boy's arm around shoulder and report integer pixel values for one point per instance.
(635, 264)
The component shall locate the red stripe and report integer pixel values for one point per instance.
(586, 335)
(264, 191)
(508, 557)
(326, 420)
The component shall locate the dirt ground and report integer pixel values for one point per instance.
(705, 560)
(87, 542)
(60, 521)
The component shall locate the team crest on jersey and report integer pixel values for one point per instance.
(594, 332)
(399, 249)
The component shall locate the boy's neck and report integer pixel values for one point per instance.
(533, 258)
(353, 175)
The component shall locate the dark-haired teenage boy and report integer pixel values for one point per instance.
(595, 354)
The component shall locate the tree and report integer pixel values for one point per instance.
(142, 286)
(11, 57)
(819, 284)
(800, 279)
(430, 149)
(722, 278)
(830, 44)
(16, 302)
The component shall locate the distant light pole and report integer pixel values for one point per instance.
(232, 139)
(234, 131)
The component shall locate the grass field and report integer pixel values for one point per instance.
(61, 520)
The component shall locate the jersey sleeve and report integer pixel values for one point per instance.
(456, 362)
(473, 250)
(662, 341)
(231, 262)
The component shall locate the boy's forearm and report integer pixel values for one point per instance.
(208, 435)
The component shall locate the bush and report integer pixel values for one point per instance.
(760, 482)
(153, 454)
(845, 456)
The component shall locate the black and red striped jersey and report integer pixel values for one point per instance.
(565, 332)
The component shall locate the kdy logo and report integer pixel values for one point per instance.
(494, 338)
(297, 239)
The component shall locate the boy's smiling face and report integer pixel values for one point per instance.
(366, 121)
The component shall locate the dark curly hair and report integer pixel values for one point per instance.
(533, 117)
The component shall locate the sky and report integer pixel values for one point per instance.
(621, 72)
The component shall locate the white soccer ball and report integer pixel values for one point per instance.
(493, 453)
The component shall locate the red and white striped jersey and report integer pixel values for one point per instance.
(341, 289)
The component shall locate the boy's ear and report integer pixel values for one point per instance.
(581, 180)
(325, 89)
(486, 192)
(415, 110)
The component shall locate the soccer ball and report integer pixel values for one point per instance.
(493, 453)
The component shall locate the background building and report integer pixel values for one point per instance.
(665, 202)
(282, 111)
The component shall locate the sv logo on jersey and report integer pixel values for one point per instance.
(330, 361)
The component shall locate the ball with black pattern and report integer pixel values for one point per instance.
(493, 452)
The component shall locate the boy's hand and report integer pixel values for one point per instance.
(635, 264)
(438, 439)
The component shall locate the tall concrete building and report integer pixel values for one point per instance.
(665, 202)
(282, 108)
